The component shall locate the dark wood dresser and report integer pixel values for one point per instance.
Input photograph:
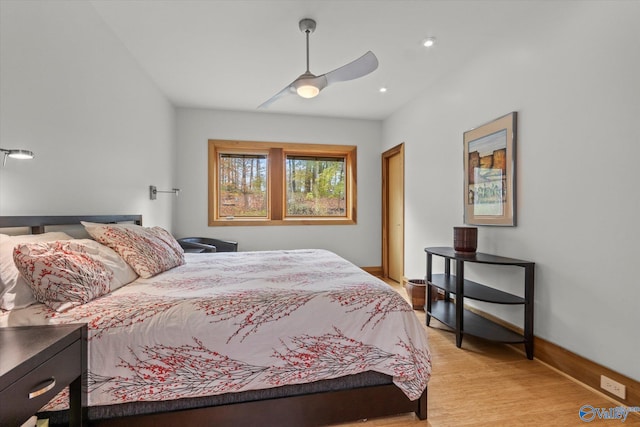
(36, 363)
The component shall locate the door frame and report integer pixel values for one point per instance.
(397, 150)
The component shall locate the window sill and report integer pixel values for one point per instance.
(297, 221)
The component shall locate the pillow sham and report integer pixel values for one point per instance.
(148, 251)
(62, 274)
(15, 292)
(171, 241)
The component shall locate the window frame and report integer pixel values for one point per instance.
(277, 153)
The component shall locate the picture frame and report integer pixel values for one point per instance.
(490, 172)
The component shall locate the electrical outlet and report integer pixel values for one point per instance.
(613, 387)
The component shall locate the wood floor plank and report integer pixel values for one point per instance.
(489, 384)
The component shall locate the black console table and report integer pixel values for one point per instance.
(462, 321)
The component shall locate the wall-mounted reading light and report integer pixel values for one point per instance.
(15, 153)
(153, 191)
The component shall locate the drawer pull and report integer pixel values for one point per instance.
(46, 386)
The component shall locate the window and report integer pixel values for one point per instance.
(315, 186)
(260, 183)
(242, 185)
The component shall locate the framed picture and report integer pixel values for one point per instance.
(490, 173)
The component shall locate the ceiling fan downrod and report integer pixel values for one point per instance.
(307, 26)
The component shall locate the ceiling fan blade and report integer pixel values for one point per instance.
(275, 97)
(354, 69)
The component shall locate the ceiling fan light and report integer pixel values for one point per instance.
(307, 91)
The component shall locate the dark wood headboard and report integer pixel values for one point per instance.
(38, 223)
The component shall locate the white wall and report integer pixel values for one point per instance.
(101, 130)
(359, 243)
(577, 91)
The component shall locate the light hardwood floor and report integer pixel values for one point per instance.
(489, 384)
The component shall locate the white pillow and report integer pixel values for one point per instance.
(15, 292)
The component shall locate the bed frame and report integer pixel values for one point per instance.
(312, 409)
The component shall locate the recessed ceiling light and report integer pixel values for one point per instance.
(429, 41)
(383, 89)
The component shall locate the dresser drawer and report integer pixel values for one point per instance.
(43, 382)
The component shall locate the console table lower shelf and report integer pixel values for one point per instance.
(475, 325)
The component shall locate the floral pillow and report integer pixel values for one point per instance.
(166, 237)
(61, 273)
(148, 251)
(15, 292)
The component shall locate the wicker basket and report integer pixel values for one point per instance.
(416, 289)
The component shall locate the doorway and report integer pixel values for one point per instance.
(393, 213)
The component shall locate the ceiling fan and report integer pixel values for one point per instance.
(308, 85)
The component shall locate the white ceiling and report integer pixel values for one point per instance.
(235, 54)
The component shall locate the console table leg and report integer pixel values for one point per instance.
(528, 308)
(528, 346)
(459, 301)
(428, 302)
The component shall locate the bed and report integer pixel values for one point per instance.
(272, 338)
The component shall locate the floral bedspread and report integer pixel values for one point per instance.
(237, 321)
